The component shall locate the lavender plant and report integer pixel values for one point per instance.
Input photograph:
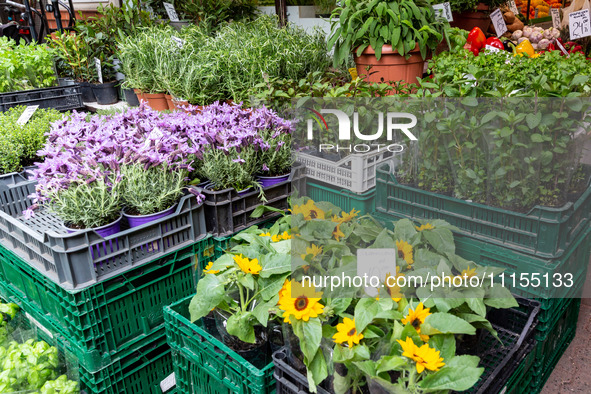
(153, 190)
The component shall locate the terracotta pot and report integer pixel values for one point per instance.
(157, 101)
(169, 102)
(140, 95)
(468, 20)
(391, 66)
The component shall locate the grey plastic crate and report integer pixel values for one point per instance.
(78, 260)
(227, 213)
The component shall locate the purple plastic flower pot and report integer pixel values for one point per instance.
(110, 246)
(103, 231)
(243, 192)
(138, 220)
(267, 181)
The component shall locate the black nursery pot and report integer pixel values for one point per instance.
(105, 93)
(87, 93)
(131, 98)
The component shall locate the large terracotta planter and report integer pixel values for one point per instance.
(157, 101)
(140, 95)
(169, 102)
(391, 67)
(469, 20)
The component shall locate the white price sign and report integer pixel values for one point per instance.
(99, 70)
(26, 115)
(172, 15)
(498, 22)
(443, 11)
(179, 42)
(491, 48)
(555, 12)
(579, 24)
(513, 7)
(168, 383)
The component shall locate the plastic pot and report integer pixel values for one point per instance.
(267, 181)
(87, 93)
(156, 101)
(131, 98)
(391, 67)
(138, 220)
(105, 93)
(66, 82)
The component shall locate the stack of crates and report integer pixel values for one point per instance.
(100, 300)
(551, 241)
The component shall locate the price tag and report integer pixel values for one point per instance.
(491, 48)
(443, 11)
(498, 22)
(179, 42)
(353, 72)
(99, 70)
(562, 48)
(555, 12)
(579, 24)
(168, 383)
(172, 15)
(513, 7)
(26, 115)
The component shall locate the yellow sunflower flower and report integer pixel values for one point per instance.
(345, 217)
(312, 250)
(309, 210)
(427, 226)
(208, 270)
(247, 265)
(405, 252)
(424, 357)
(346, 333)
(392, 287)
(286, 236)
(337, 233)
(267, 234)
(283, 289)
(417, 316)
(301, 302)
(468, 272)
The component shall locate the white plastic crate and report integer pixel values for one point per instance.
(356, 172)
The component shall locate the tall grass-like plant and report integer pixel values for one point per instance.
(148, 191)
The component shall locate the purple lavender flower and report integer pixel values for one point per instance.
(265, 168)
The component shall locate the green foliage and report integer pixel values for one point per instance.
(19, 144)
(403, 24)
(230, 169)
(150, 191)
(27, 366)
(62, 385)
(24, 67)
(224, 66)
(85, 205)
(463, 5)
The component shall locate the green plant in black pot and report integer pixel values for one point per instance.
(401, 33)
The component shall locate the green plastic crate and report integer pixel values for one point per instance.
(112, 316)
(544, 232)
(343, 198)
(204, 365)
(518, 382)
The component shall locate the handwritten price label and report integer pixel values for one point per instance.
(172, 15)
(489, 48)
(26, 115)
(579, 24)
(179, 42)
(443, 11)
(498, 22)
(99, 69)
(555, 12)
(513, 7)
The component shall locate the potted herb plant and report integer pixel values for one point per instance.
(391, 39)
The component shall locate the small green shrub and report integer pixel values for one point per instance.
(24, 67)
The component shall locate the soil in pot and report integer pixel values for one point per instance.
(87, 93)
(256, 353)
(391, 67)
(131, 98)
(105, 93)
(156, 101)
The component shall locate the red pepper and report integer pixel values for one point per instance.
(472, 48)
(476, 38)
(495, 43)
(552, 47)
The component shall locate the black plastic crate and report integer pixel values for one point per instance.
(515, 328)
(62, 98)
(226, 212)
